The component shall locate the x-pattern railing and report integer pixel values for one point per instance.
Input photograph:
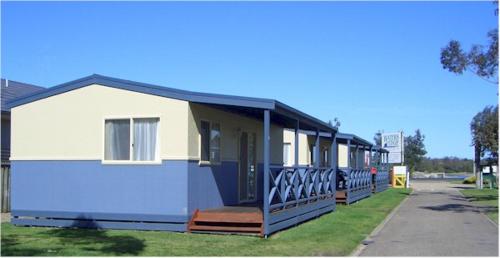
(358, 179)
(292, 186)
(382, 176)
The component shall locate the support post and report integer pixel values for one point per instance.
(316, 150)
(333, 152)
(296, 156)
(356, 156)
(349, 154)
(370, 158)
(333, 166)
(267, 152)
(349, 168)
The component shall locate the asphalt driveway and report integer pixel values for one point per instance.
(436, 220)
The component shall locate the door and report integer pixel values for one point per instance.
(248, 168)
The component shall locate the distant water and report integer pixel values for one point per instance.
(450, 176)
(455, 176)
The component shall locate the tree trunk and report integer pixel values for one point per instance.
(477, 162)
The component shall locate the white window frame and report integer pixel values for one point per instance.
(130, 161)
(209, 162)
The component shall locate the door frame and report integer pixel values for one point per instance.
(255, 165)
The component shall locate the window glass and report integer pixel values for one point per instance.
(215, 143)
(205, 140)
(145, 138)
(286, 154)
(117, 139)
(353, 164)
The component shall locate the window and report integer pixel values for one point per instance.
(324, 160)
(145, 139)
(367, 159)
(354, 162)
(117, 140)
(210, 141)
(286, 153)
(205, 141)
(215, 143)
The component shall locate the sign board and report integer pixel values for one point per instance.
(394, 143)
(399, 170)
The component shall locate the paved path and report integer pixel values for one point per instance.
(436, 220)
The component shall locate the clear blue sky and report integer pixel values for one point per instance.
(373, 65)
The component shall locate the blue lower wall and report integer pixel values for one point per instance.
(87, 189)
(212, 186)
(216, 185)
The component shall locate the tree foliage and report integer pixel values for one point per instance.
(414, 150)
(334, 123)
(480, 60)
(446, 164)
(377, 138)
(484, 129)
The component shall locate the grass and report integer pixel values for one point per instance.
(333, 234)
(487, 198)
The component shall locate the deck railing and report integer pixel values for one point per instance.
(298, 185)
(357, 183)
(381, 180)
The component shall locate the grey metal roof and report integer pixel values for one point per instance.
(378, 148)
(354, 138)
(313, 133)
(15, 90)
(198, 97)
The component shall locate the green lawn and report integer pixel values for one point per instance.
(334, 234)
(485, 197)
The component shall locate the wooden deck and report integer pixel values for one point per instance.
(228, 219)
(341, 196)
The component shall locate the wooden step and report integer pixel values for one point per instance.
(232, 217)
(256, 230)
(227, 220)
(340, 194)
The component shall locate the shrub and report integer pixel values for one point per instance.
(470, 180)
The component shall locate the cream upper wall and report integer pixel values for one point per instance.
(342, 154)
(289, 137)
(71, 125)
(305, 142)
(231, 126)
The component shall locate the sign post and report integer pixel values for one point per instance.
(394, 143)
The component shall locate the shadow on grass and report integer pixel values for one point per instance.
(489, 197)
(84, 235)
(12, 247)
